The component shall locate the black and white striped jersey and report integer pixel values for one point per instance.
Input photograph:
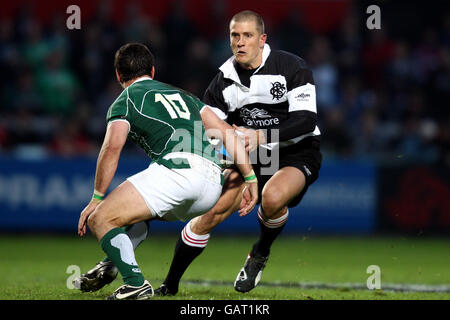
(281, 98)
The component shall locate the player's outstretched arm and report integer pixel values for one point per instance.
(252, 138)
(108, 158)
(219, 129)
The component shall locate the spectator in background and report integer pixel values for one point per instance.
(443, 144)
(400, 69)
(22, 135)
(376, 55)
(180, 31)
(426, 56)
(9, 56)
(439, 93)
(351, 103)
(220, 50)
(58, 38)
(364, 77)
(325, 73)
(109, 29)
(367, 142)
(292, 35)
(445, 33)
(35, 49)
(417, 131)
(70, 140)
(144, 29)
(58, 86)
(25, 95)
(197, 68)
(137, 24)
(337, 141)
(92, 67)
(4, 139)
(347, 44)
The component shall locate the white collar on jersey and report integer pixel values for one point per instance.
(230, 72)
(141, 79)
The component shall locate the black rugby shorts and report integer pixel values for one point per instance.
(304, 155)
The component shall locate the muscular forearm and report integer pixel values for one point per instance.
(298, 124)
(107, 162)
(108, 158)
(219, 129)
(236, 149)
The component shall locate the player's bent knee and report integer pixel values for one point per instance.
(94, 220)
(272, 201)
(198, 227)
(100, 217)
(233, 179)
(203, 224)
(207, 222)
(217, 219)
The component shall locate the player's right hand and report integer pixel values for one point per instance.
(250, 138)
(85, 215)
(249, 198)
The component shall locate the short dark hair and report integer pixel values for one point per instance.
(248, 15)
(133, 60)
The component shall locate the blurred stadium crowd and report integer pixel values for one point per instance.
(381, 94)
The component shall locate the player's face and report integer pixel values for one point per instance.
(247, 43)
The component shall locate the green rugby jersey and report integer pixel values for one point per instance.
(163, 119)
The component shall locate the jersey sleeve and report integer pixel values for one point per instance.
(302, 112)
(119, 109)
(213, 97)
(302, 90)
(194, 101)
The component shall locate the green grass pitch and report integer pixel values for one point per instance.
(35, 267)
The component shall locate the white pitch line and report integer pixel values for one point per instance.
(404, 287)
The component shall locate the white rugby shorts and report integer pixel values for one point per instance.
(179, 194)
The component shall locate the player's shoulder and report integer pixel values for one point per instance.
(219, 82)
(154, 86)
(145, 86)
(286, 60)
(150, 87)
(119, 107)
(219, 78)
(171, 89)
(121, 99)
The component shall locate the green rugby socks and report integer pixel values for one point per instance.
(119, 249)
(137, 233)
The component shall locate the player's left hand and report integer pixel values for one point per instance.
(249, 199)
(251, 138)
(85, 215)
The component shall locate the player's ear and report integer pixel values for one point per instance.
(262, 40)
(118, 76)
(153, 72)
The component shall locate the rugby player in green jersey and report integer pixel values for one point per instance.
(184, 179)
